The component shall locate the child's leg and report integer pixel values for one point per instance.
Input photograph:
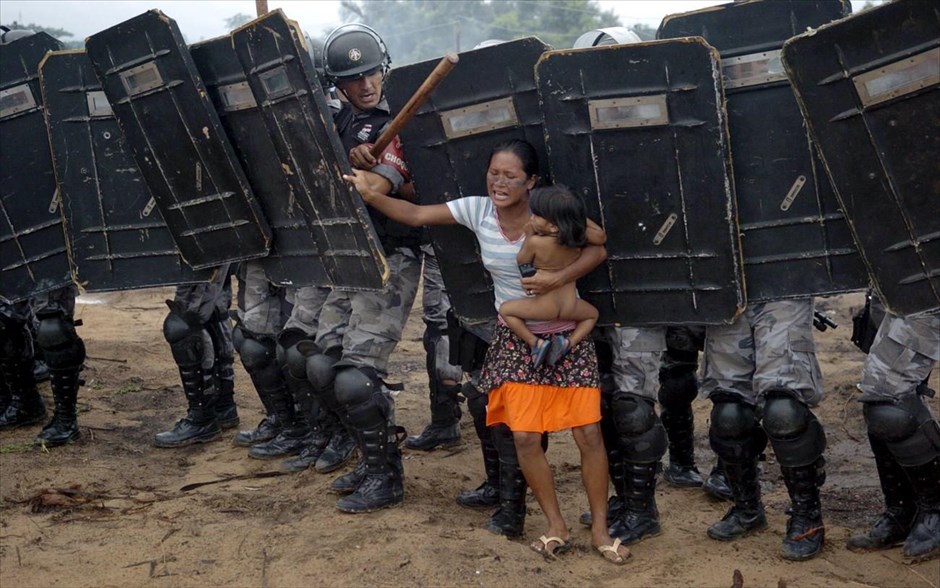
(594, 476)
(516, 312)
(586, 315)
(538, 474)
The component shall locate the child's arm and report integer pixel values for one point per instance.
(527, 253)
(595, 234)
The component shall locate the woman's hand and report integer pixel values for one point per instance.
(543, 281)
(361, 184)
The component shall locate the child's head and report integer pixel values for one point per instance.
(559, 206)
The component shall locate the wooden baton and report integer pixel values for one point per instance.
(420, 96)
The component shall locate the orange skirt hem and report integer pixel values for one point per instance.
(539, 408)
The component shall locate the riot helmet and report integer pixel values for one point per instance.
(608, 36)
(488, 43)
(352, 51)
(8, 36)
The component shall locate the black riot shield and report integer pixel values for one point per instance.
(294, 257)
(638, 132)
(795, 239)
(488, 98)
(293, 109)
(869, 88)
(117, 238)
(33, 256)
(175, 136)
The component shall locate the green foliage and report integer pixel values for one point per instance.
(417, 30)
(16, 448)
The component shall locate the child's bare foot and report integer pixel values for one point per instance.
(540, 350)
(559, 348)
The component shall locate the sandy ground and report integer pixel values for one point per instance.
(132, 523)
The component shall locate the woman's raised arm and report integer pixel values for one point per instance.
(403, 211)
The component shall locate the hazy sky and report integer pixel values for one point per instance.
(204, 19)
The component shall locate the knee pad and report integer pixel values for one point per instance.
(238, 337)
(678, 387)
(257, 353)
(735, 432)
(320, 371)
(60, 344)
(355, 386)
(641, 434)
(907, 428)
(795, 433)
(476, 400)
(289, 357)
(185, 340)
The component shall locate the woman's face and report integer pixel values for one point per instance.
(506, 181)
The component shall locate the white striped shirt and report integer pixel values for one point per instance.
(498, 253)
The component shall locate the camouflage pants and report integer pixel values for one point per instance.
(436, 304)
(210, 301)
(769, 346)
(901, 357)
(363, 328)
(636, 358)
(307, 302)
(263, 307)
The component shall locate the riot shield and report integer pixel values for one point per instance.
(293, 108)
(488, 98)
(795, 239)
(638, 132)
(116, 236)
(294, 258)
(33, 256)
(175, 136)
(869, 88)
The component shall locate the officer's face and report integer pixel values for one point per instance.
(364, 93)
(506, 181)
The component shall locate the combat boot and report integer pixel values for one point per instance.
(444, 430)
(894, 524)
(639, 517)
(24, 406)
(293, 435)
(267, 429)
(199, 425)
(486, 495)
(747, 514)
(226, 412)
(805, 530)
(63, 428)
(316, 441)
(923, 542)
(348, 482)
(339, 449)
(382, 485)
(716, 484)
(679, 386)
(509, 518)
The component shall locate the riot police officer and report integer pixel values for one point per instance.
(64, 352)
(359, 330)
(904, 436)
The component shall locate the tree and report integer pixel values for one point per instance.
(645, 32)
(235, 21)
(59, 34)
(416, 30)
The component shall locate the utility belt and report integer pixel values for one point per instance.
(466, 349)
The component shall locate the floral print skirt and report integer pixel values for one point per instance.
(550, 398)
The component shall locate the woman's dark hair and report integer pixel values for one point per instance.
(559, 206)
(523, 150)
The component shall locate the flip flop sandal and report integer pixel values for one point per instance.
(612, 553)
(543, 547)
(539, 352)
(559, 348)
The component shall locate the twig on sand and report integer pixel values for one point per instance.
(111, 359)
(195, 485)
(737, 579)
(264, 568)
